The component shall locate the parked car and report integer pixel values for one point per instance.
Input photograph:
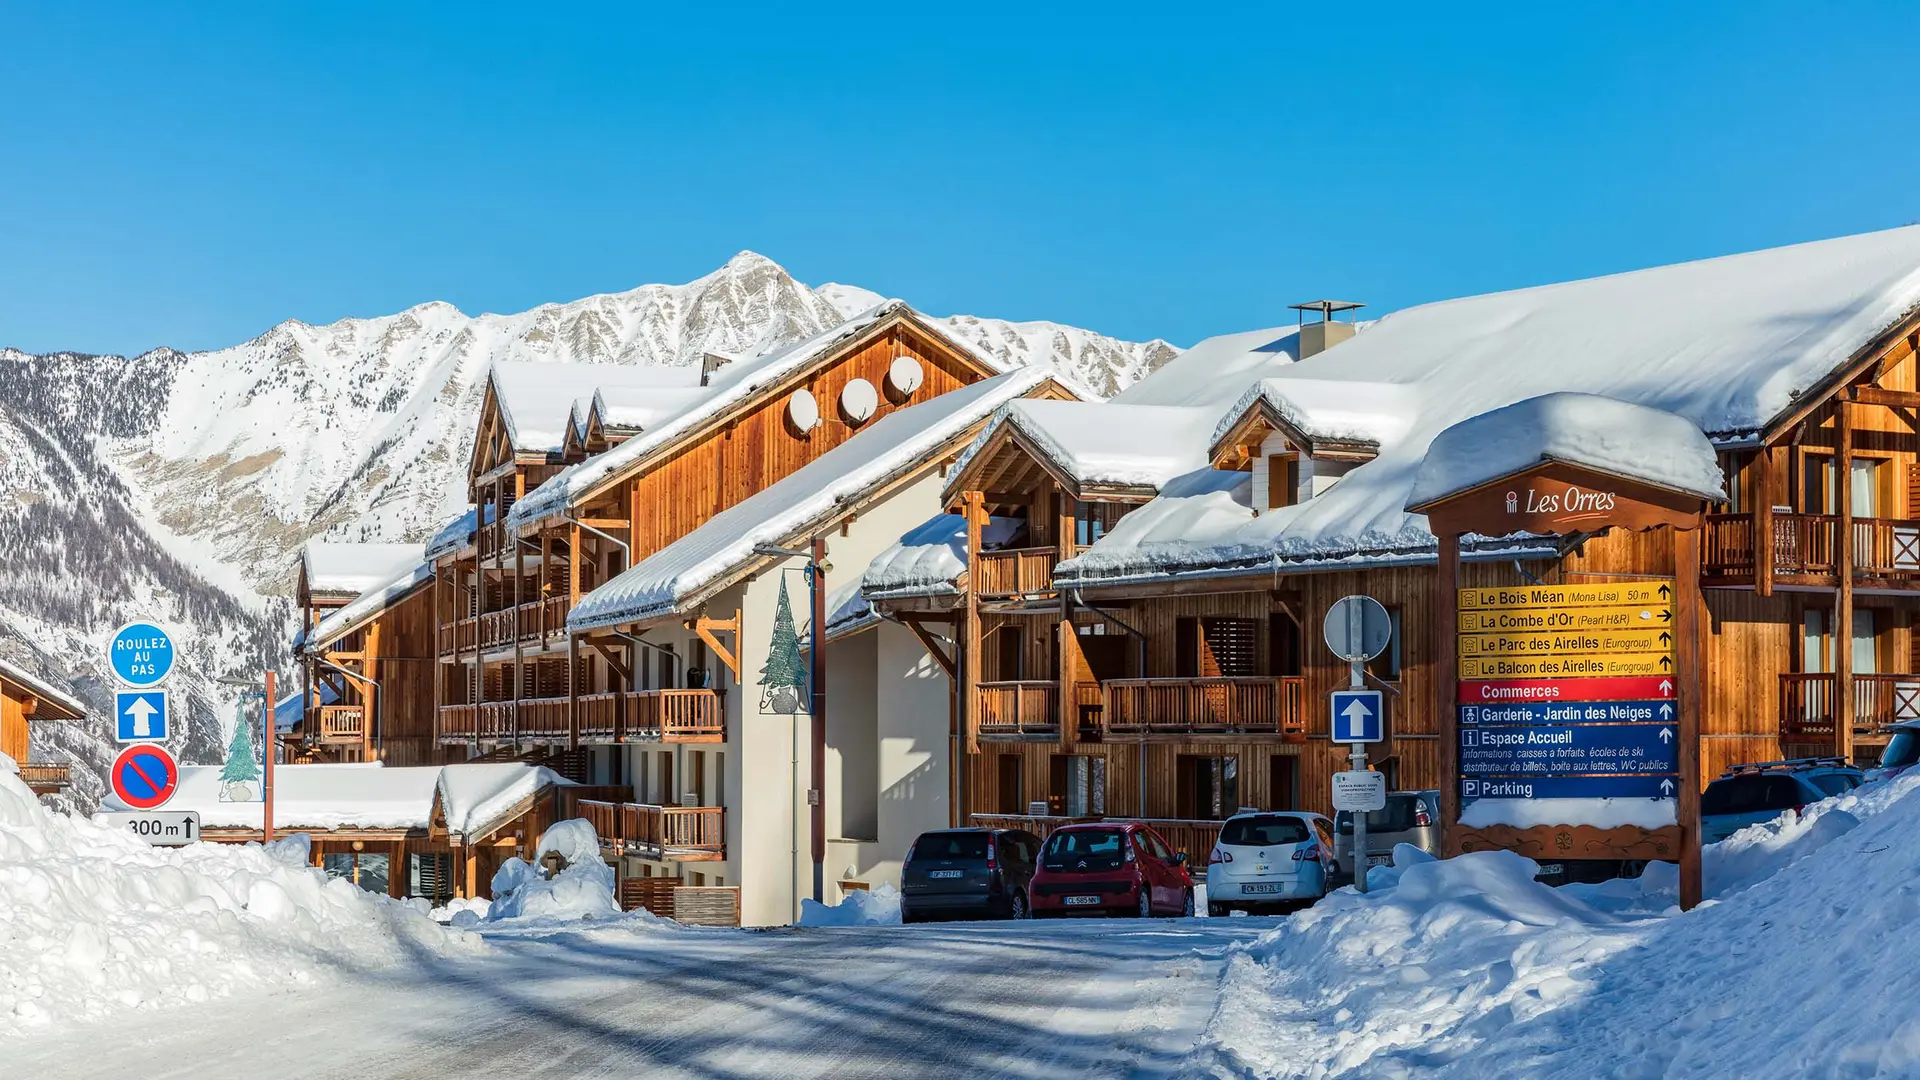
(1763, 790)
(1902, 751)
(1111, 868)
(968, 874)
(1269, 858)
(1410, 817)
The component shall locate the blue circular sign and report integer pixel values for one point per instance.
(141, 654)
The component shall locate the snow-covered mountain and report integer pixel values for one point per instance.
(181, 486)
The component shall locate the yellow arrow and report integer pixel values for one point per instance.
(1614, 594)
(1564, 667)
(1568, 643)
(1630, 617)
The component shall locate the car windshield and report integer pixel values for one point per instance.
(1902, 751)
(1098, 848)
(951, 845)
(1398, 815)
(1752, 794)
(1267, 830)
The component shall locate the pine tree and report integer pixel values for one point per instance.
(782, 676)
(242, 766)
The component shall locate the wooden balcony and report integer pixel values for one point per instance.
(1807, 704)
(487, 722)
(46, 777)
(672, 716)
(342, 723)
(1257, 705)
(1015, 572)
(537, 623)
(1196, 838)
(544, 718)
(681, 833)
(1025, 709)
(1885, 551)
(459, 636)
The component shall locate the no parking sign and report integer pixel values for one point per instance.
(145, 776)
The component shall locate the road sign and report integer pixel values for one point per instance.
(1507, 691)
(1568, 667)
(161, 828)
(1568, 643)
(1357, 628)
(1613, 594)
(141, 654)
(1571, 712)
(1628, 617)
(1358, 716)
(145, 776)
(1360, 790)
(1574, 749)
(140, 715)
(1568, 787)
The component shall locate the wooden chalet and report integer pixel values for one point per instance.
(24, 700)
(1138, 620)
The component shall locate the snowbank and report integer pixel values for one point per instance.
(93, 920)
(1471, 968)
(877, 907)
(584, 890)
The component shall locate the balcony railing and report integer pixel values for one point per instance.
(458, 636)
(1017, 709)
(1808, 706)
(1804, 546)
(343, 723)
(683, 833)
(44, 777)
(1258, 705)
(539, 621)
(1886, 547)
(1015, 572)
(653, 716)
(1194, 837)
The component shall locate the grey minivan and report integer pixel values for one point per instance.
(1410, 817)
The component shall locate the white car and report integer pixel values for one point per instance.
(1270, 858)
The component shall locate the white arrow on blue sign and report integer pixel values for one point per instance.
(141, 654)
(140, 716)
(1358, 716)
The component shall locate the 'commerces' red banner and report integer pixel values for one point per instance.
(1611, 688)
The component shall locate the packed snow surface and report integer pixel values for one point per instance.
(930, 558)
(876, 907)
(94, 920)
(1600, 433)
(1107, 443)
(334, 566)
(582, 890)
(1471, 968)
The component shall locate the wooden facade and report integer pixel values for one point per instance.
(370, 690)
(24, 701)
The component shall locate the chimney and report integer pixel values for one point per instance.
(712, 362)
(1323, 334)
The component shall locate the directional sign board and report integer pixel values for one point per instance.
(1358, 716)
(1567, 692)
(141, 654)
(140, 716)
(161, 828)
(145, 776)
(1360, 790)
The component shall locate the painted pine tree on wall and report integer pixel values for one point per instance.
(240, 777)
(784, 674)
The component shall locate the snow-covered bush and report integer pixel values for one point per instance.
(875, 907)
(93, 920)
(584, 890)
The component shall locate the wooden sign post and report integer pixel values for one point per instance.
(1571, 692)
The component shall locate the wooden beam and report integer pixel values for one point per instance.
(603, 523)
(932, 645)
(620, 669)
(1843, 593)
(706, 629)
(971, 502)
(1763, 500)
(1874, 395)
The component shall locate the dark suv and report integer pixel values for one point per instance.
(968, 874)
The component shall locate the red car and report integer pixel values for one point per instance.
(1110, 868)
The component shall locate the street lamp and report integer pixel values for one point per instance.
(271, 749)
(816, 571)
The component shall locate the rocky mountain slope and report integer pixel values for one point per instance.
(181, 486)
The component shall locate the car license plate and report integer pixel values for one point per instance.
(1082, 900)
(1379, 860)
(1260, 887)
(945, 873)
(1548, 869)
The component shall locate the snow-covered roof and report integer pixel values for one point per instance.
(730, 385)
(931, 557)
(1730, 344)
(848, 611)
(538, 401)
(456, 534)
(1214, 372)
(355, 613)
(1334, 410)
(1652, 445)
(896, 443)
(337, 567)
(44, 690)
(367, 797)
(1107, 443)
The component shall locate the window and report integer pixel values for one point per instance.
(1283, 480)
(430, 875)
(1212, 647)
(1283, 644)
(1206, 788)
(1386, 666)
(1733, 470)
(1267, 830)
(1092, 520)
(1079, 785)
(364, 868)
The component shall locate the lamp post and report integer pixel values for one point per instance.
(816, 572)
(270, 749)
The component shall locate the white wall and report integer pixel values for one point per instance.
(853, 739)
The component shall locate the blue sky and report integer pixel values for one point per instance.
(190, 177)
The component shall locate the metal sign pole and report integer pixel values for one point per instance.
(1359, 749)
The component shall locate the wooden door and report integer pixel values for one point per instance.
(1283, 782)
(1008, 776)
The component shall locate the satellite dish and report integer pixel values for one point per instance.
(803, 412)
(904, 376)
(859, 400)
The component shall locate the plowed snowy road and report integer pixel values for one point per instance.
(1037, 999)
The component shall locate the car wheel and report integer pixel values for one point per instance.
(1145, 910)
(1017, 906)
(1186, 907)
(1216, 911)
